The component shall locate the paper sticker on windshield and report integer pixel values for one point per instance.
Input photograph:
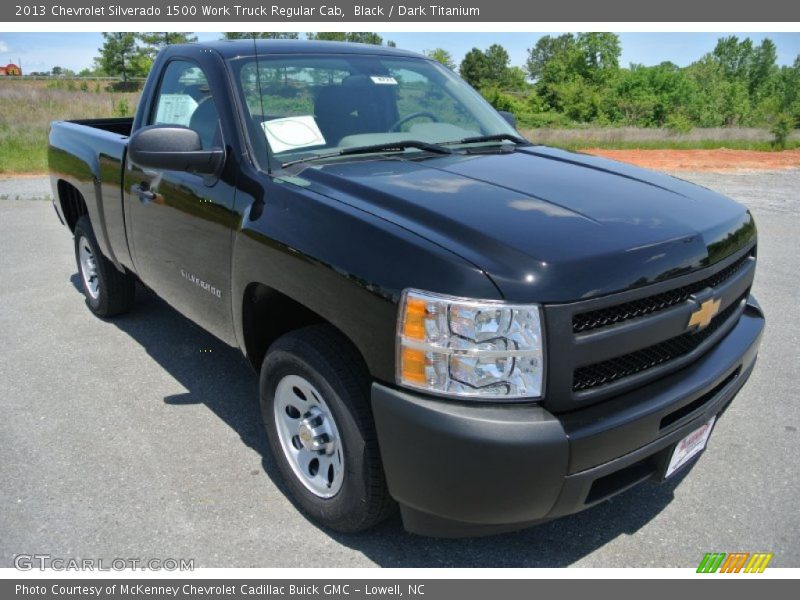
(380, 80)
(291, 133)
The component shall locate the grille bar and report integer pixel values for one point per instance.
(598, 374)
(612, 315)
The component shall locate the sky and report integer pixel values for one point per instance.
(42, 51)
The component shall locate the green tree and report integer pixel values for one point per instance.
(574, 74)
(734, 56)
(763, 67)
(56, 71)
(360, 37)
(515, 79)
(328, 36)
(152, 42)
(262, 35)
(648, 96)
(488, 68)
(365, 37)
(118, 54)
(781, 129)
(497, 60)
(742, 61)
(548, 49)
(562, 58)
(474, 68)
(789, 89)
(721, 100)
(442, 56)
(600, 53)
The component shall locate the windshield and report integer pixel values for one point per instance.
(300, 106)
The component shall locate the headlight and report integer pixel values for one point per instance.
(469, 348)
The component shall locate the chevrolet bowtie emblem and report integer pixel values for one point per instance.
(703, 315)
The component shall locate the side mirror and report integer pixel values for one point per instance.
(512, 120)
(173, 148)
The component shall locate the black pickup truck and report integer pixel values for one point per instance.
(446, 317)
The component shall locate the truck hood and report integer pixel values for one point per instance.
(546, 225)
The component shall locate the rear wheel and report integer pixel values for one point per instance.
(315, 406)
(108, 291)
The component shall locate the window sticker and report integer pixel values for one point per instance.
(291, 133)
(381, 80)
(175, 109)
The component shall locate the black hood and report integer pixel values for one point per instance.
(546, 225)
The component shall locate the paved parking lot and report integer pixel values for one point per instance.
(140, 437)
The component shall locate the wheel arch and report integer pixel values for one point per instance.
(267, 314)
(72, 202)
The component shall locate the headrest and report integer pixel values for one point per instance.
(357, 81)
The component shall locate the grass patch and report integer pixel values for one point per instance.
(28, 107)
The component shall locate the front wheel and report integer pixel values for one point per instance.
(315, 407)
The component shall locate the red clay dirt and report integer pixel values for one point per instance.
(721, 160)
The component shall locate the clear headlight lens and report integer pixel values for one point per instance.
(469, 348)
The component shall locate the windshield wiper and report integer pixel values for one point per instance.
(387, 147)
(495, 137)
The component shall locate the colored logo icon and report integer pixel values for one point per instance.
(735, 562)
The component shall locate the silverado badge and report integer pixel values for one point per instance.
(702, 316)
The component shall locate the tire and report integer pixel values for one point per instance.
(108, 292)
(334, 382)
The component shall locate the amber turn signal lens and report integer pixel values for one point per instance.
(414, 319)
(413, 365)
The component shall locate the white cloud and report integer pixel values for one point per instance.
(3, 46)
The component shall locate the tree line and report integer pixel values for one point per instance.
(573, 79)
(570, 79)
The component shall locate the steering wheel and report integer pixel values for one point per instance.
(411, 117)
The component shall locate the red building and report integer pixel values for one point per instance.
(10, 70)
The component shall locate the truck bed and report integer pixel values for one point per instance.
(119, 125)
(88, 155)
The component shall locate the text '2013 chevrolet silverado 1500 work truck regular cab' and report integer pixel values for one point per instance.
(445, 317)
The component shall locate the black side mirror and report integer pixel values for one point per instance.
(173, 148)
(512, 120)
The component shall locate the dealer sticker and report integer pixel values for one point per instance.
(381, 80)
(690, 446)
(293, 133)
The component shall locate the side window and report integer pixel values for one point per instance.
(184, 98)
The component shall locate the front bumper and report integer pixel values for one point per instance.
(465, 469)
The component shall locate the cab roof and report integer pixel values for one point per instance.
(235, 48)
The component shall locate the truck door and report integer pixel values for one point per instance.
(181, 223)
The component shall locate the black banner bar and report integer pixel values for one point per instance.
(731, 587)
(443, 11)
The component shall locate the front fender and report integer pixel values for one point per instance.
(346, 265)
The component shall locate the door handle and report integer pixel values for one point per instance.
(144, 192)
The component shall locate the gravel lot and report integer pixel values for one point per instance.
(140, 437)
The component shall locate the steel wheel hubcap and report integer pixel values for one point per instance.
(308, 436)
(88, 268)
